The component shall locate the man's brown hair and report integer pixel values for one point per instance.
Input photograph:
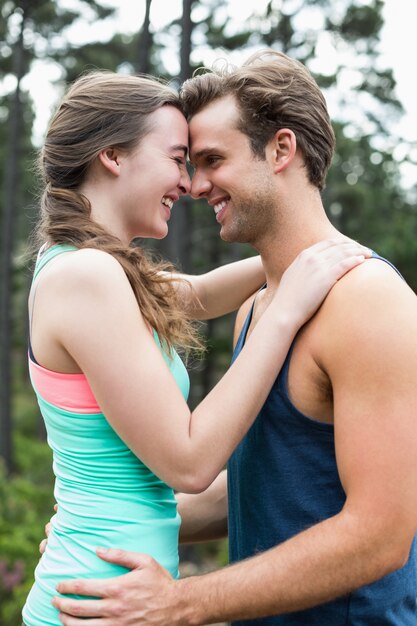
(272, 91)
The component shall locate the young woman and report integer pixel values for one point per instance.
(105, 323)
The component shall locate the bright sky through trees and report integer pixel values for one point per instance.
(398, 51)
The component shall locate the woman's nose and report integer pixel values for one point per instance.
(185, 183)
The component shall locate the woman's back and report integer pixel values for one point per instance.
(106, 496)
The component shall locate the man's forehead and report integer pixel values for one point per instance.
(215, 116)
(203, 127)
(208, 135)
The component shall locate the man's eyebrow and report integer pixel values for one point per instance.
(194, 156)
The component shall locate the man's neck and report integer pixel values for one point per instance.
(281, 248)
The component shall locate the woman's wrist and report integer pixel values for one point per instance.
(282, 321)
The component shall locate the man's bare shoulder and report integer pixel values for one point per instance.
(368, 285)
(367, 311)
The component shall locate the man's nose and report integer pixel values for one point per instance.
(200, 186)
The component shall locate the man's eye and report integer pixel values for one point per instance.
(180, 160)
(211, 160)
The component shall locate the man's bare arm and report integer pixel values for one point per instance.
(204, 515)
(370, 353)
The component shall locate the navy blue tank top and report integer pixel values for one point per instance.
(282, 479)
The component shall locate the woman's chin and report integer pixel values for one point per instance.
(153, 233)
(161, 233)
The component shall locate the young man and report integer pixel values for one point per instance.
(323, 489)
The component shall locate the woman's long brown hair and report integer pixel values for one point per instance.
(102, 110)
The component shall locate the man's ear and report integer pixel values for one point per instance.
(109, 158)
(282, 149)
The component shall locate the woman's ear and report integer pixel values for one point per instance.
(109, 158)
(282, 149)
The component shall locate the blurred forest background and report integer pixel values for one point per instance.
(364, 198)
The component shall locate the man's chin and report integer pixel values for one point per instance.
(226, 236)
(232, 236)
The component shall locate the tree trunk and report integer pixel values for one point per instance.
(178, 245)
(145, 41)
(10, 208)
(186, 35)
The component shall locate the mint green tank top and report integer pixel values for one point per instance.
(106, 496)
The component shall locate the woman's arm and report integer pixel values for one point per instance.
(222, 290)
(97, 321)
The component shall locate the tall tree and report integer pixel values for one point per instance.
(178, 245)
(26, 27)
(11, 175)
(145, 41)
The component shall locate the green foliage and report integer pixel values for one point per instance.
(25, 506)
(97, 56)
(362, 22)
(363, 198)
(205, 556)
(381, 86)
(364, 201)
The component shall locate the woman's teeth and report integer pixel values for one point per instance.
(168, 202)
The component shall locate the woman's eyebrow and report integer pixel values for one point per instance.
(180, 147)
